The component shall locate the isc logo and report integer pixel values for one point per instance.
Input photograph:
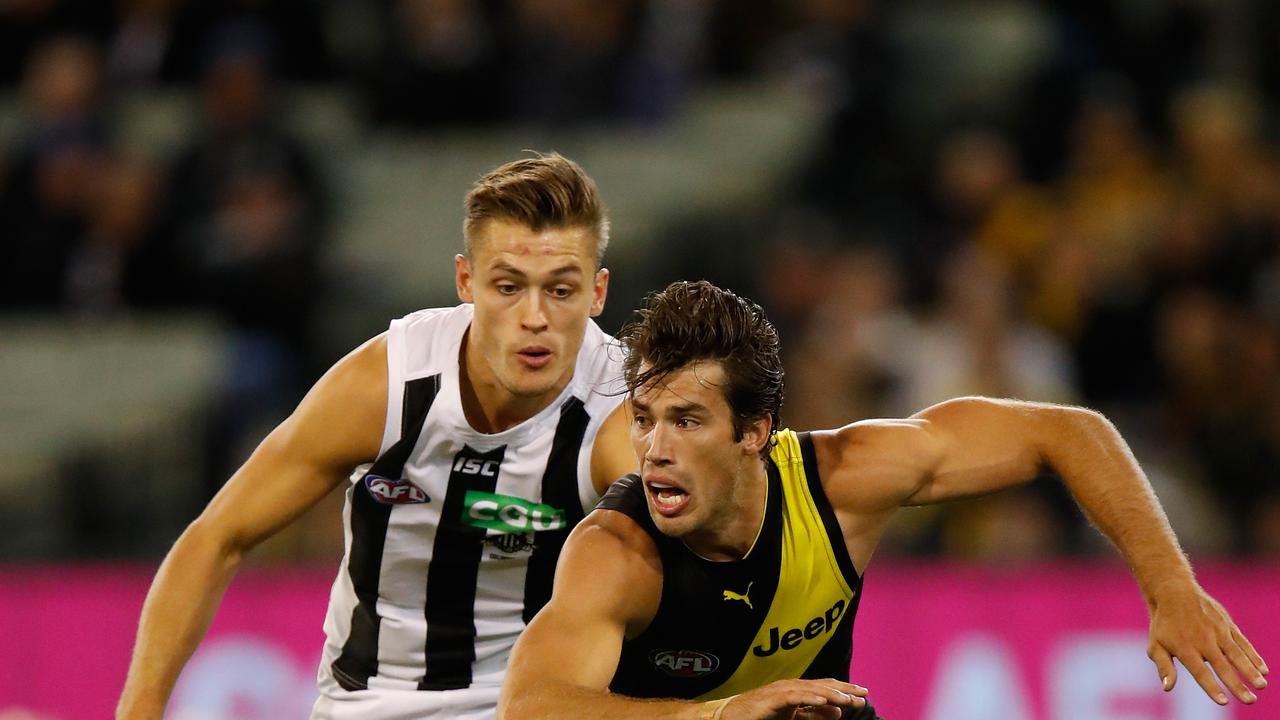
(476, 466)
(684, 663)
(394, 491)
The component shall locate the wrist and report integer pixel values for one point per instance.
(714, 709)
(139, 709)
(1170, 587)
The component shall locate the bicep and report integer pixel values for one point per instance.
(564, 645)
(604, 584)
(984, 445)
(955, 449)
(338, 425)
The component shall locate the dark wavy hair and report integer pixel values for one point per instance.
(691, 321)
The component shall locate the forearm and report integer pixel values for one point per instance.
(555, 700)
(1104, 477)
(178, 610)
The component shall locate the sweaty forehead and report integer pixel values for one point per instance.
(506, 242)
(701, 381)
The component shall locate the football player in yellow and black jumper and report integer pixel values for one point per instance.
(721, 582)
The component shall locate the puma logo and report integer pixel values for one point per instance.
(731, 595)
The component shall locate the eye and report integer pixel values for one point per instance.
(561, 292)
(687, 423)
(640, 421)
(507, 288)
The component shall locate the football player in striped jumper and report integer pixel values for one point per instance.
(472, 439)
(725, 576)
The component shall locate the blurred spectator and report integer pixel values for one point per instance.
(1224, 381)
(26, 25)
(570, 58)
(247, 215)
(1054, 200)
(290, 29)
(142, 42)
(49, 184)
(848, 355)
(839, 51)
(119, 262)
(441, 64)
(976, 343)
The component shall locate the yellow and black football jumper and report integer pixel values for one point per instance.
(785, 610)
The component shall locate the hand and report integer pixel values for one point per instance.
(1189, 625)
(795, 700)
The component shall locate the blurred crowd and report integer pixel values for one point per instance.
(1061, 201)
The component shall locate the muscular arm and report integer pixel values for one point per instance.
(974, 446)
(337, 426)
(608, 584)
(608, 581)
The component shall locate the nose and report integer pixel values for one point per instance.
(657, 451)
(533, 313)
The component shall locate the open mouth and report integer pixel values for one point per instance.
(668, 500)
(535, 357)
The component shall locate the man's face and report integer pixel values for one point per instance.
(694, 472)
(533, 293)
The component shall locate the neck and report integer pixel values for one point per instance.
(488, 406)
(743, 517)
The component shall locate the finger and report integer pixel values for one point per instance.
(847, 688)
(1164, 665)
(798, 698)
(1236, 653)
(1200, 671)
(835, 696)
(825, 712)
(1253, 656)
(1227, 675)
(833, 692)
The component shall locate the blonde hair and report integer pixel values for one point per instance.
(544, 191)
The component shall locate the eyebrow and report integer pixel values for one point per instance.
(503, 266)
(690, 408)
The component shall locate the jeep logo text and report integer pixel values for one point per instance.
(793, 637)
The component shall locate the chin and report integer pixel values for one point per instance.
(676, 527)
(528, 389)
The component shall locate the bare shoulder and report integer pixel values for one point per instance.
(610, 560)
(345, 411)
(363, 370)
(612, 455)
(614, 537)
(872, 465)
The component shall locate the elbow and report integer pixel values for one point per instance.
(1071, 432)
(211, 541)
(1086, 422)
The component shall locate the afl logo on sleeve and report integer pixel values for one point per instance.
(390, 491)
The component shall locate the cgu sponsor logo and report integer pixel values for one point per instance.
(391, 491)
(684, 663)
(508, 514)
(819, 625)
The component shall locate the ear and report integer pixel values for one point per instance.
(755, 435)
(462, 277)
(600, 288)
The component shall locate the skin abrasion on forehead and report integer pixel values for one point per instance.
(505, 237)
